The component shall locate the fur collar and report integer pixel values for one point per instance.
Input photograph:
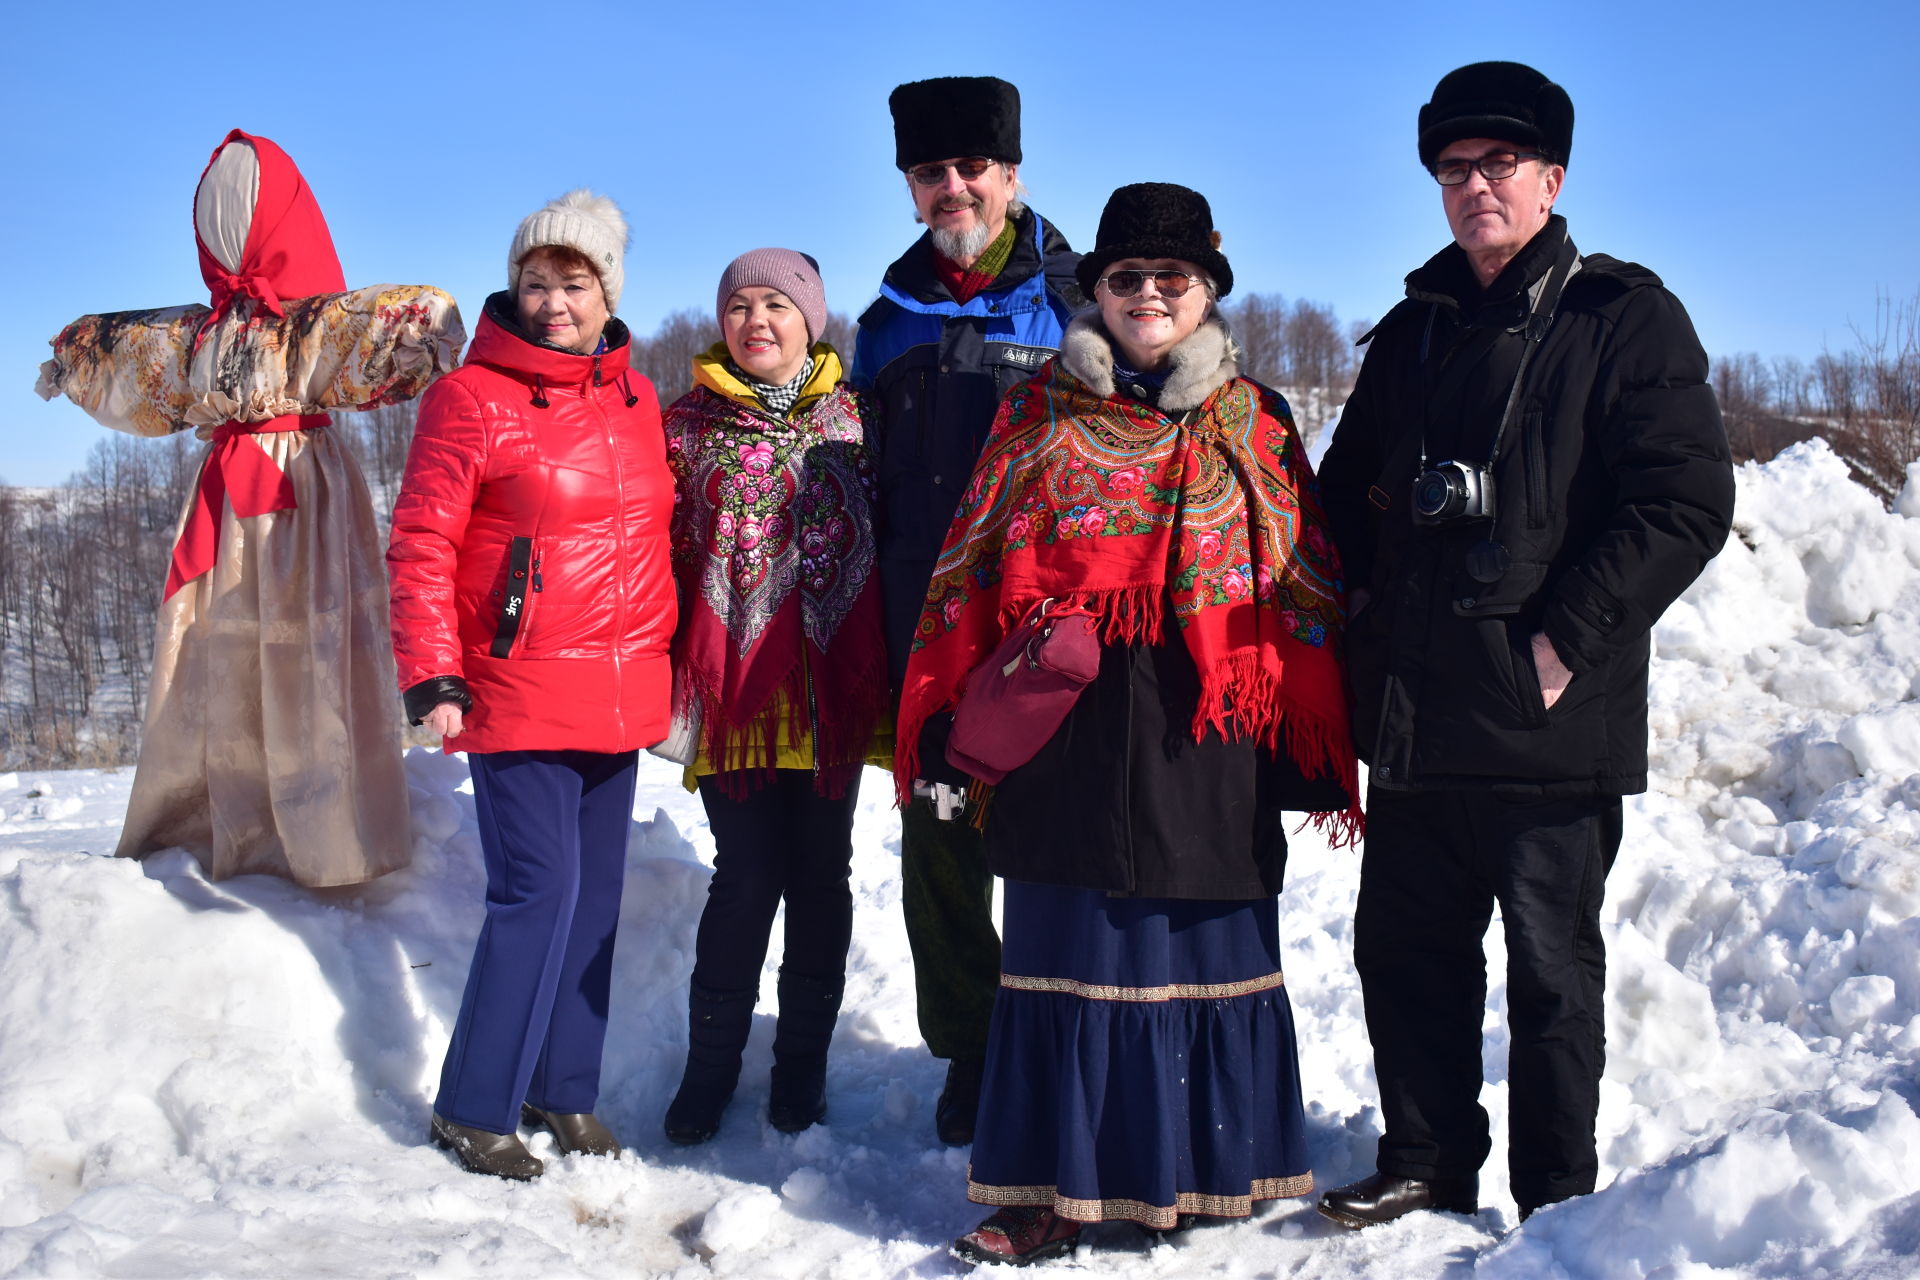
(1204, 363)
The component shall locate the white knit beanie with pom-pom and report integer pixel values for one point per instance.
(580, 220)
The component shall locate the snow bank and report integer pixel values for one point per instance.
(233, 1079)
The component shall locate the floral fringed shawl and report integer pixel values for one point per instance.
(773, 549)
(1207, 519)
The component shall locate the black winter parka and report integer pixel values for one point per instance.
(937, 369)
(1613, 488)
(1122, 799)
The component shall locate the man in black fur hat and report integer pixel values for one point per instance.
(1530, 470)
(975, 305)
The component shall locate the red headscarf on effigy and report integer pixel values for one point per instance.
(289, 254)
(289, 251)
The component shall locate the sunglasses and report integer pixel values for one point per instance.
(932, 175)
(1124, 284)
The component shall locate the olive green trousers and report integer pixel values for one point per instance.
(947, 894)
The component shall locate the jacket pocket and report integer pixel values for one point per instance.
(1533, 448)
(1526, 676)
(514, 597)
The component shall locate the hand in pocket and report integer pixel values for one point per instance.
(1554, 676)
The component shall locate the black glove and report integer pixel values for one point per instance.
(431, 692)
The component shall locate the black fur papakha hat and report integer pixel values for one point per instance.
(1507, 101)
(1156, 220)
(955, 116)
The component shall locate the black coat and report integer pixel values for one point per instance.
(1614, 488)
(937, 369)
(1123, 799)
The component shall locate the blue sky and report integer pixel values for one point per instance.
(1759, 156)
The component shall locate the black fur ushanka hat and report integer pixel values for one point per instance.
(1156, 220)
(955, 116)
(1508, 101)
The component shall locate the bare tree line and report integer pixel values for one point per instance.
(1865, 400)
(78, 583)
(85, 562)
(1301, 350)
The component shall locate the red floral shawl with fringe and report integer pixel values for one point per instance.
(773, 549)
(1111, 502)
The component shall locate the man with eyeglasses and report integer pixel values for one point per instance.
(1531, 468)
(975, 305)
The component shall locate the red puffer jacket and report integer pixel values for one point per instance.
(530, 549)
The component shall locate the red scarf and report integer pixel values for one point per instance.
(289, 251)
(1109, 501)
(773, 551)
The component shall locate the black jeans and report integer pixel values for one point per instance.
(1435, 864)
(782, 841)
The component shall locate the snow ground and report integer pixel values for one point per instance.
(233, 1079)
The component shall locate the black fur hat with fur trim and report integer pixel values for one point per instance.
(955, 116)
(1156, 220)
(1505, 101)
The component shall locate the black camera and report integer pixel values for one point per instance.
(1452, 492)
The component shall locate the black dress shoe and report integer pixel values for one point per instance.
(502, 1155)
(1384, 1197)
(574, 1132)
(959, 1105)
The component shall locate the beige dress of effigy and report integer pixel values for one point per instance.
(272, 740)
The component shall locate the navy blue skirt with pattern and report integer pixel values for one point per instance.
(1141, 1062)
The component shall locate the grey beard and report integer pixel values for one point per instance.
(961, 246)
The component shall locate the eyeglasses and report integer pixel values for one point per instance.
(932, 175)
(1124, 284)
(1495, 167)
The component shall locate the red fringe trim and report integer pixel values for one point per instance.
(1240, 698)
(846, 711)
(743, 751)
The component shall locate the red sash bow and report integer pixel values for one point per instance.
(239, 470)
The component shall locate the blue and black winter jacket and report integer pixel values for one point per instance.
(938, 369)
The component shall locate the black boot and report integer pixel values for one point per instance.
(1383, 1197)
(959, 1105)
(717, 1027)
(808, 1010)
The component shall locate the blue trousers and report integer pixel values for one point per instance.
(553, 827)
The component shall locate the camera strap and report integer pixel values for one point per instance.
(1532, 332)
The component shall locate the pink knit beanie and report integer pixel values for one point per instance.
(795, 274)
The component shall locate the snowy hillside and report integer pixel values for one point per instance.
(233, 1080)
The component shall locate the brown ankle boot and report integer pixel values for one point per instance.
(574, 1132)
(502, 1155)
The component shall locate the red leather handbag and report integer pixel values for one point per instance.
(1018, 697)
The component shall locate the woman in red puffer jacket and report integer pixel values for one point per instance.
(533, 609)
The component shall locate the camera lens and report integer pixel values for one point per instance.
(1438, 494)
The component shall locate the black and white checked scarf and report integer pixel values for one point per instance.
(780, 400)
